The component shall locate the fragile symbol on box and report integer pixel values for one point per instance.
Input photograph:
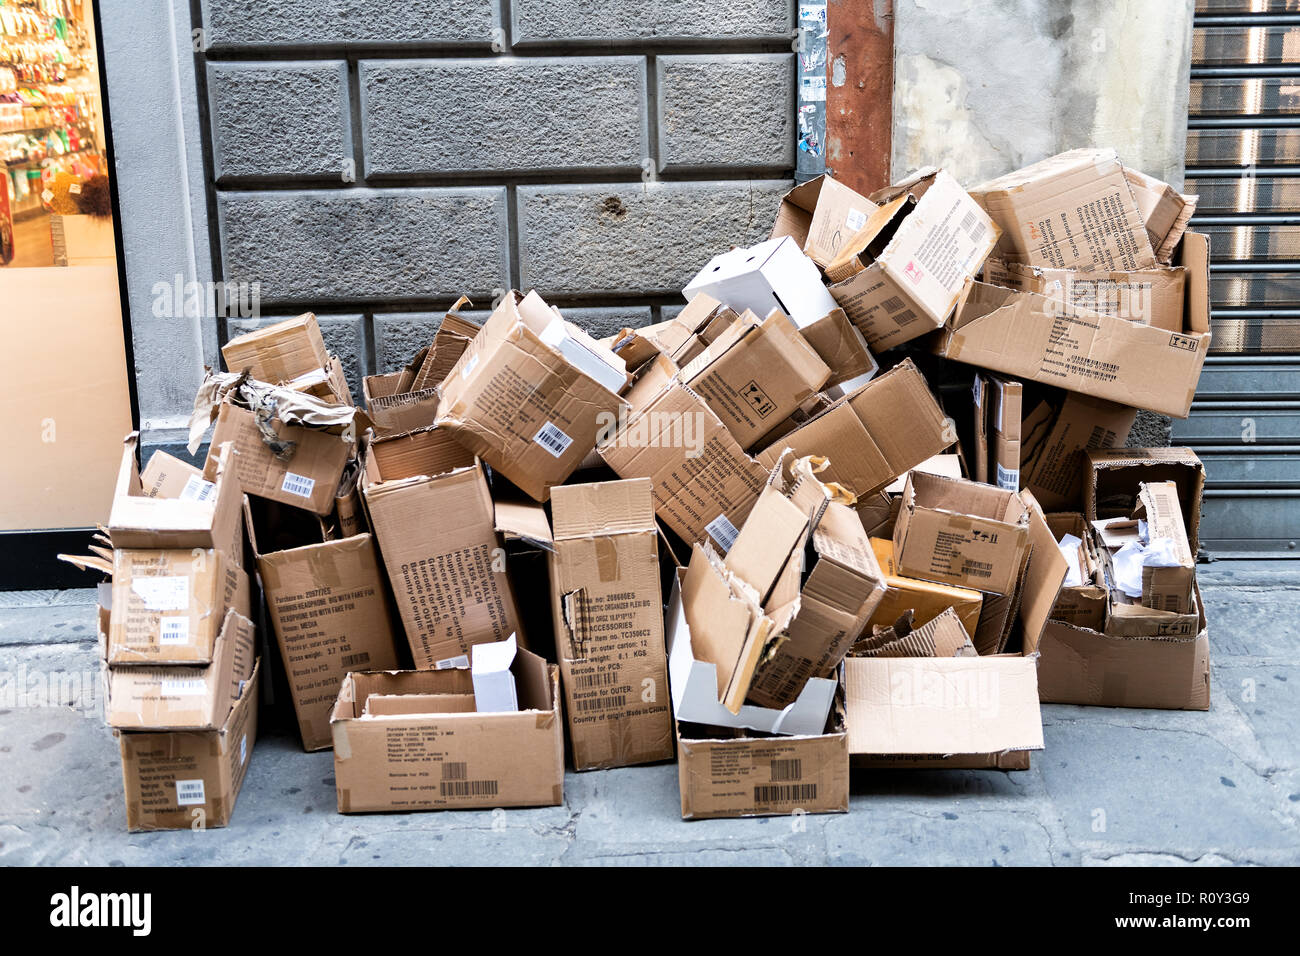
(912, 271)
(758, 399)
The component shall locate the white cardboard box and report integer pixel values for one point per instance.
(774, 274)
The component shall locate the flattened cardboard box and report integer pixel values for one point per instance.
(901, 274)
(1113, 477)
(434, 522)
(820, 215)
(168, 606)
(307, 479)
(329, 609)
(209, 518)
(411, 740)
(1144, 296)
(731, 774)
(278, 353)
(609, 624)
(1035, 338)
(1074, 210)
(521, 405)
(182, 780)
(1082, 666)
(185, 697)
(860, 433)
(450, 342)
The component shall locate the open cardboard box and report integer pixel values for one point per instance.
(773, 274)
(820, 215)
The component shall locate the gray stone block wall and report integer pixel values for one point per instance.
(372, 162)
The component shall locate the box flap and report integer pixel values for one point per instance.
(603, 508)
(1043, 578)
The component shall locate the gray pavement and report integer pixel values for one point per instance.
(1113, 787)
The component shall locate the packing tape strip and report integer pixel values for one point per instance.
(342, 747)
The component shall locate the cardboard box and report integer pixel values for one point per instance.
(1079, 665)
(1074, 210)
(962, 533)
(1034, 338)
(820, 215)
(1144, 296)
(1166, 588)
(278, 353)
(392, 411)
(329, 384)
(523, 396)
(328, 606)
(166, 476)
(860, 433)
(412, 740)
(925, 599)
(435, 524)
(307, 478)
(449, 343)
(901, 274)
(1053, 468)
(169, 606)
(210, 518)
(185, 698)
(942, 636)
(840, 344)
(756, 374)
(1083, 605)
(1165, 211)
(723, 773)
(1113, 477)
(609, 624)
(999, 411)
(774, 274)
(185, 780)
(704, 482)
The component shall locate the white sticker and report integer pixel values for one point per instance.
(977, 391)
(197, 488)
(469, 367)
(174, 630)
(299, 485)
(855, 219)
(1009, 478)
(74, 189)
(552, 439)
(721, 530)
(189, 792)
(168, 592)
(449, 662)
(243, 749)
(183, 686)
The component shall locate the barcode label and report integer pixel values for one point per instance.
(789, 769)
(722, 531)
(892, 304)
(977, 569)
(855, 219)
(449, 662)
(469, 788)
(1008, 478)
(973, 226)
(183, 686)
(455, 770)
(352, 660)
(169, 592)
(552, 439)
(595, 679)
(197, 488)
(585, 705)
(174, 630)
(785, 793)
(906, 317)
(189, 793)
(299, 485)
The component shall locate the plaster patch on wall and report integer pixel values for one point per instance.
(930, 107)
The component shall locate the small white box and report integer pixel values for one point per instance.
(494, 684)
(774, 274)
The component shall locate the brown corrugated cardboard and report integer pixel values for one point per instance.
(1035, 338)
(278, 353)
(306, 478)
(522, 404)
(329, 384)
(730, 773)
(1112, 478)
(925, 599)
(168, 477)
(433, 518)
(189, 780)
(999, 411)
(942, 636)
(1145, 296)
(1166, 588)
(609, 621)
(169, 606)
(860, 433)
(411, 740)
(901, 274)
(1083, 605)
(820, 215)
(756, 374)
(450, 342)
(1074, 210)
(1165, 211)
(393, 411)
(840, 344)
(184, 698)
(1054, 468)
(210, 518)
(961, 532)
(329, 609)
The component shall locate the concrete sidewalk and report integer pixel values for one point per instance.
(1112, 787)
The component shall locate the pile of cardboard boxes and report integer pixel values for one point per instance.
(862, 500)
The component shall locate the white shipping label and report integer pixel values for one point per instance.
(168, 592)
(1009, 478)
(174, 630)
(299, 485)
(855, 219)
(184, 687)
(189, 793)
(553, 439)
(448, 662)
(197, 488)
(722, 531)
